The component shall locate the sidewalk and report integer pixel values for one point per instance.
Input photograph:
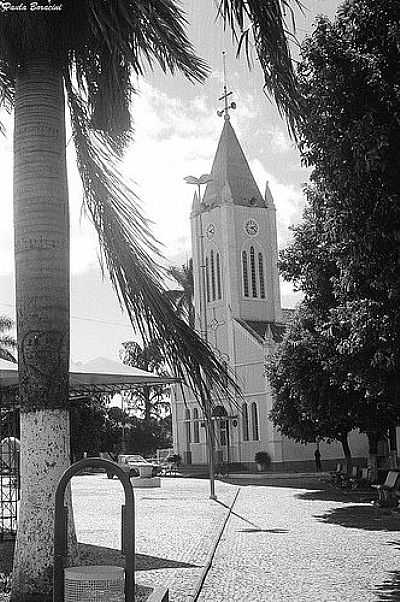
(285, 540)
(176, 527)
(305, 545)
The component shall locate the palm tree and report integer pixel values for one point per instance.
(91, 49)
(149, 400)
(183, 298)
(7, 342)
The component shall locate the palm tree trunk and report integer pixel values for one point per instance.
(41, 226)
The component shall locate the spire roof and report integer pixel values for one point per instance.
(232, 180)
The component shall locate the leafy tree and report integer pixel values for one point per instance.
(345, 254)
(88, 419)
(7, 342)
(183, 298)
(310, 402)
(350, 132)
(91, 49)
(149, 401)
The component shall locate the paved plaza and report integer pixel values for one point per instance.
(284, 540)
(274, 540)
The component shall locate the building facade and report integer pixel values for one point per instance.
(238, 310)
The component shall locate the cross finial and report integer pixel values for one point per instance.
(224, 97)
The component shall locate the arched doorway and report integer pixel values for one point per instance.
(222, 434)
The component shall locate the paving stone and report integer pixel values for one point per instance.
(311, 550)
(282, 543)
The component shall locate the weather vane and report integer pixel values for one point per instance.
(224, 97)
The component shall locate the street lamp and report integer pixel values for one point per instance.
(201, 181)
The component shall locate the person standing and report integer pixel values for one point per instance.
(317, 456)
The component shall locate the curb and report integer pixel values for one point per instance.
(194, 597)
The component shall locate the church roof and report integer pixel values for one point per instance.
(261, 330)
(232, 181)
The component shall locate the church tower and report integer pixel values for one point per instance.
(234, 244)
(238, 311)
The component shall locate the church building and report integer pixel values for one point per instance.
(238, 310)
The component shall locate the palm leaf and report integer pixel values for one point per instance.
(129, 252)
(266, 21)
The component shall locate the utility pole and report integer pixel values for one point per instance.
(204, 179)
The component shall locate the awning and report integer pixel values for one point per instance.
(100, 375)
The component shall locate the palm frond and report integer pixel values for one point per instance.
(7, 90)
(8, 341)
(105, 43)
(266, 21)
(6, 355)
(129, 251)
(129, 35)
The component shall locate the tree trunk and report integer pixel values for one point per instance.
(45, 439)
(372, 455)
(347, 453)
(41, 226)
(147, 404)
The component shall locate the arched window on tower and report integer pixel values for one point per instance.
(212, 276)
(253, 272)
(245, 274)
(245, 422)
(187, 426)
(207, 280)
(254, 420)
(261, 275)
(196, 426)
(219, 289)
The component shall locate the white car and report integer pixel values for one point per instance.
(138, 466)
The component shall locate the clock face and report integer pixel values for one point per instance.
(251, 227)
(210, 230)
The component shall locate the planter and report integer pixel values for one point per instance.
(261, 467)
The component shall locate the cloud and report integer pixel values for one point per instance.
(290, 298)
(289, 200)
(280, 141)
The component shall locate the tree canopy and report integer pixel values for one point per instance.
(149, 402)
(309, 400)
(345, 254)
(183, 298)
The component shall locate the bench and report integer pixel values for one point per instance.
(388, 492)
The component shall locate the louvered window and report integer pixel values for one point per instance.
(261, 275)
(219, 295)
(207, 280)
(245, 274)
(245, 422)
(254, 419)
(212, 276)
(253, 272)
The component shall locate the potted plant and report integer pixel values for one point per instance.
(174, 459)
(263, 460)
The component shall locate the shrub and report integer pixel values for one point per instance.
(262, 457)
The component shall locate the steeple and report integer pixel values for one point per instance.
(195, 204)
(231, 172)
(269, 199)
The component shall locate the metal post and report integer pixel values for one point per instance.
(203, 331)
(210, 453)
(60, 531)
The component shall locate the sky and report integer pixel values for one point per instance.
(176, 134)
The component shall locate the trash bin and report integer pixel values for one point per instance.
(94, 584)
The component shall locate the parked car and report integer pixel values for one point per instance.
(138, 466)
